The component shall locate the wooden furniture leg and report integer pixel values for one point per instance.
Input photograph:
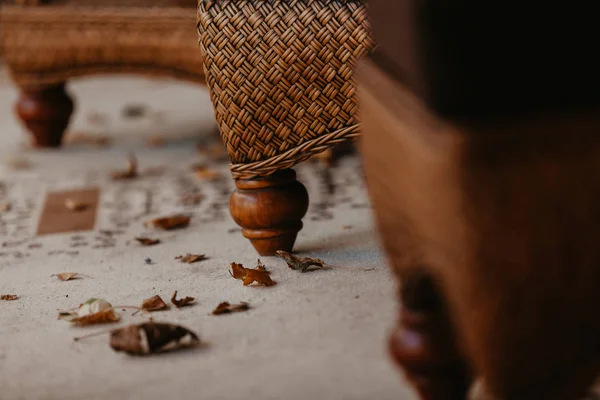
(423, 343)
(504, 213)
(46, 113)
(270, 210)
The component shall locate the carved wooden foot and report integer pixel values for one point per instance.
(270, 210)
(46, 113)
(424, 344)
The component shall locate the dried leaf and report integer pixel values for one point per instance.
(156, 141)
(145, 241)
(261, 267)
(134, 110)
(191, 258)
(226, 308)
(155, 303)
(18, 163)
(8, 297)
(181, 302)
(67, 276)
(215, 151)
(259, 275)
(129, 173)
(101, 317)
(87, 139)
(94, 311)
(5, 207)
(303, 264)
(172, 222)
(300, 263)
(204, 172)
(75, 205)
(152, 338)
(191, 199)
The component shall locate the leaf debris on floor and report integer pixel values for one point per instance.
(146, 241)
(186, 301)
(304, 264)
(93, 311)
(68, 276)
(248, 276)
(176, 221)
(8, 297)
(151, 338)
(130, 173)
(226, 308)
(154, 303)
(191, 258)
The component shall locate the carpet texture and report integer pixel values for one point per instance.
(318, 335)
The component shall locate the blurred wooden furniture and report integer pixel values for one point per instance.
(280, 75)
(47, 42)
(483, 162)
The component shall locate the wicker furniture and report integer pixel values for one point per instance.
(45, 43)
(280, 75)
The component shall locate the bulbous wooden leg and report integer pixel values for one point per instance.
(424, 346)
(46, 113)
(270, 210)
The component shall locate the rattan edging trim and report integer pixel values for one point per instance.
(293, 156)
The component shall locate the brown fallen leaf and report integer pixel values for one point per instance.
(259, 275)
(5, 207)
(261, 267)
(134, 110)
(87, 139)
(67, 276)
(226, 308)
(181, 302)
(154, 303)
(191, 258)
(303, 264)
(171, 222)
(129, 173)
(75, 205)
(8, 297)
(204, 172)
(156, 141)
(151, 338)
(92, 312)
(191, 199)
(145, 241)
(215, 151)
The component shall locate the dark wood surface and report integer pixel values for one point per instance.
(503, 215)
(472, 58)
(270, 210)
(46, 113)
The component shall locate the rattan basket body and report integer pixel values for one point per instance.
(280, 75)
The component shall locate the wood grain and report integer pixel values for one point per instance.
(56, 218)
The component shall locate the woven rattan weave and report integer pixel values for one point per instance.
(49, 44)
(280, 75)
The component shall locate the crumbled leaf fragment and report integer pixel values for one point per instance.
(191, 199)
(176, 221)
(151, 338)
(75, 205)
(87, 139)
(154, 303)
(5, 207)
(134, 110)
(191, 258)
(301, 264)
(186, 301)
(146, 241)
(226, 308)
(204, 172)
(130, 173)
(8, 297)
(249, 276)
(156, 141)
(68, 276)
(93, 311)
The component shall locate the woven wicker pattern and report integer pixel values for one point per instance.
(50, 44)
(280, 75)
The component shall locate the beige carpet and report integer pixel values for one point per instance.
(319, 335)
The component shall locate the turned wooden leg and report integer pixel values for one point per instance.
(46, 113)
(270, 210)
(423, 344)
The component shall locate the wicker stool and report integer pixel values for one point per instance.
(280, 75)
(45, 43)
